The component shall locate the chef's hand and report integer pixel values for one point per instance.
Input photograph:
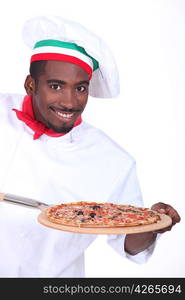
(166, 209)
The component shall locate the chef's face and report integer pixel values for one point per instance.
(59, 95)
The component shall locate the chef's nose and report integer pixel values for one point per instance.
(69, 99)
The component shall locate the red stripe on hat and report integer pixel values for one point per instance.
(63, 57)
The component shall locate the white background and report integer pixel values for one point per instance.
(147, 38)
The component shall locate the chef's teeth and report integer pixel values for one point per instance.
(64, 115)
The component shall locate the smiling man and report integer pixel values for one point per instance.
(50, 154)
(59, 95)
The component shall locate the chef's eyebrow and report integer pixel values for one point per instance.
(64, 82)
(56, 81)
(83, 82)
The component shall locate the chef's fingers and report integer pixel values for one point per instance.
(171, 212)
(159, 205)
(168, 210)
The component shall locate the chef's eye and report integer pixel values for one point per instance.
(55, 86)
(81, 88)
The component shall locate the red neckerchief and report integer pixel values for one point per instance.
(28, 117)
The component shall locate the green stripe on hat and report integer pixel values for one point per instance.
(67, 45)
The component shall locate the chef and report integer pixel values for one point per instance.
(50, 154)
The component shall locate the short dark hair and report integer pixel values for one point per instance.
(37, 68)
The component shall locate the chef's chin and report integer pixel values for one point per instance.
(62, 129)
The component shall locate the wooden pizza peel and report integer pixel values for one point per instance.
(164, 222)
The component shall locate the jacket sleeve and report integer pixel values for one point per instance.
(127, 191)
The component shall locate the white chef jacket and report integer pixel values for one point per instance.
(83, 165)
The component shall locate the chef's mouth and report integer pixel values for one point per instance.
(63, 114)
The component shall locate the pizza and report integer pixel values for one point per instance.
(93, 214)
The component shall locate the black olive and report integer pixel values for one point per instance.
(80, 212)
(92, 215)
(96, 207)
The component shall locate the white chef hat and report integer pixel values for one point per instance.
(55, 38)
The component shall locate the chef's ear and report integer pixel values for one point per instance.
(30, 85)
